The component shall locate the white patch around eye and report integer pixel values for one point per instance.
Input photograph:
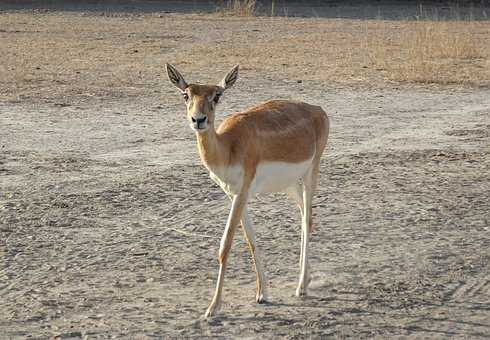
(186, 96)
(217, 98)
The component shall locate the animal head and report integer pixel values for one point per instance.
(201, 100)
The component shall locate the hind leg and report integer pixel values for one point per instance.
(308, 188)
(295, 192)
(305, 235)
(256, 257)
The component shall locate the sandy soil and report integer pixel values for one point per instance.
(110, 227)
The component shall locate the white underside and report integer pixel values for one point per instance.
(269, 177)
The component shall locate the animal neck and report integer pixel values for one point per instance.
(211, 149)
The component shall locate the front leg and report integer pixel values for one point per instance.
(237, 204)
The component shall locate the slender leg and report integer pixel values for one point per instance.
(295, 192)
(304, 278)
(313, 184)
(256, 257)
(238, 203)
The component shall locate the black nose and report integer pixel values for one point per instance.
(199, 121)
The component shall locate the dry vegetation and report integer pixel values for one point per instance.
(241, 8)
(53, 56)
(428, 52)
(379, 51)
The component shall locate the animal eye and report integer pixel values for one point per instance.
(217, 97)
(186, 96)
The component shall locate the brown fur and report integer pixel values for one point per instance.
(276, 130)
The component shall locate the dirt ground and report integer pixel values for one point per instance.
(110, 227)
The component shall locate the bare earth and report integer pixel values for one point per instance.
(110, 227)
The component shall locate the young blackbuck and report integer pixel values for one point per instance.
(273, 147)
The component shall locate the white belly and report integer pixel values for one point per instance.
(269, 177)
(277, 176)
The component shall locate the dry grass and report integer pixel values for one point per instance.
(240, 8)
(427, 51)
(60, 56)
(364, 52)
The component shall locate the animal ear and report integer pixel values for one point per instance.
(175, 77)
(230, 78)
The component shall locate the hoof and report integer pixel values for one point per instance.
(261, 299)
(212, 310)
(300, 292)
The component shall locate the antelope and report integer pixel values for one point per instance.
(272, 147)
